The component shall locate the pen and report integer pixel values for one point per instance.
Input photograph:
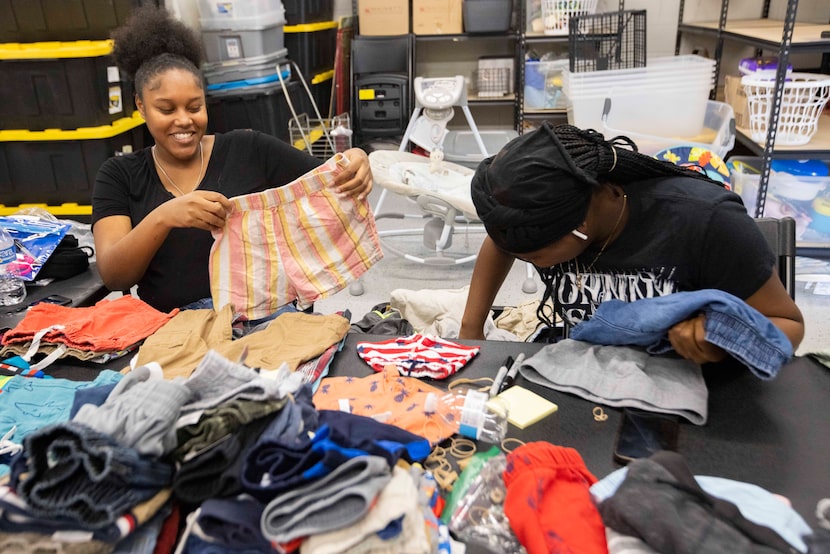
(510, 378)
(499, 379)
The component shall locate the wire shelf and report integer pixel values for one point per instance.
(322, 138)
(614, 40)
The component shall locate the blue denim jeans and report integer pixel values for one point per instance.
(731, 324)
(85, 475)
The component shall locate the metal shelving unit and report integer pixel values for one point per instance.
(527, 40)
(784, 37)
(473, 100)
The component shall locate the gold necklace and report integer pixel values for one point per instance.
(172, 182)
(590, 266)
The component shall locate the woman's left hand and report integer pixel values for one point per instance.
(356, 178)
(688, 340)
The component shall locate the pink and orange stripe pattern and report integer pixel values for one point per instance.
(299, 241)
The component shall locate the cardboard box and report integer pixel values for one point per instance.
(436, 17)
(735, 96)
(383, 17)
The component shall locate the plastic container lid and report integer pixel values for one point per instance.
(806, 168)
(250, 62)
(118, 127)
(55, 49)
(310, 27)
(250, 90)
(249, 82)
(254, 23)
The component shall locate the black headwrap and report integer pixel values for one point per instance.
(531, 193)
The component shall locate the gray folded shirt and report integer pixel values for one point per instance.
(621, 376)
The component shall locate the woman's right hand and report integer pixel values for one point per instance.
(200, 209)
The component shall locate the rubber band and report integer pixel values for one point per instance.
(462, 448)
(510, 440)
(467, 381)
(445, 477)
(599, 414)
(483, 515)
(497, 496)
(433, 463)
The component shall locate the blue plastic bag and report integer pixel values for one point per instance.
(35, 240)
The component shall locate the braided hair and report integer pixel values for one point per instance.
(151, 42)
(539, 186)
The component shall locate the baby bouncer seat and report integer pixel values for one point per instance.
(438, 188)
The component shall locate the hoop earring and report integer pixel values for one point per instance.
(614, 152)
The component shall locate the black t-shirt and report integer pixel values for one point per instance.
(682, 234)
(242, 162)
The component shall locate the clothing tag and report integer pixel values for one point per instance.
(344, 405)
(382, 417)
(189, 419)
(72, 536)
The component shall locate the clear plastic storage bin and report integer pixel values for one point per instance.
(543, 85)
(460, 147)
(717, 134)
(805, 198)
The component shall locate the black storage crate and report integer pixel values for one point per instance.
(381, 106)
(259, 107)
(62, 20)
(58, 167)
(61, 85)
(312, 46)
(298, 12)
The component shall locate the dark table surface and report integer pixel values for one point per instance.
(770, 433)
(85, 289)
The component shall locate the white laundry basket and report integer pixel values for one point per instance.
(804, 97)
(557, 13)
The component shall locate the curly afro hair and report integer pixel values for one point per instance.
(152, 41)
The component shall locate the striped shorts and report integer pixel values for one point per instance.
(296, 242)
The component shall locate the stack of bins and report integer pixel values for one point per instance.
(247, 64)
(64, 108)
(311, 40)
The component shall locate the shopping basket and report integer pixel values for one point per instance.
(557, 13)
(804, 97)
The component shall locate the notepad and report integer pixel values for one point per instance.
(525, 407)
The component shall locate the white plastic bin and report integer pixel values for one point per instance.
(665, 112)
(657, 67)
(717, 135)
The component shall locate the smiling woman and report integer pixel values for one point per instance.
(153, 211)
